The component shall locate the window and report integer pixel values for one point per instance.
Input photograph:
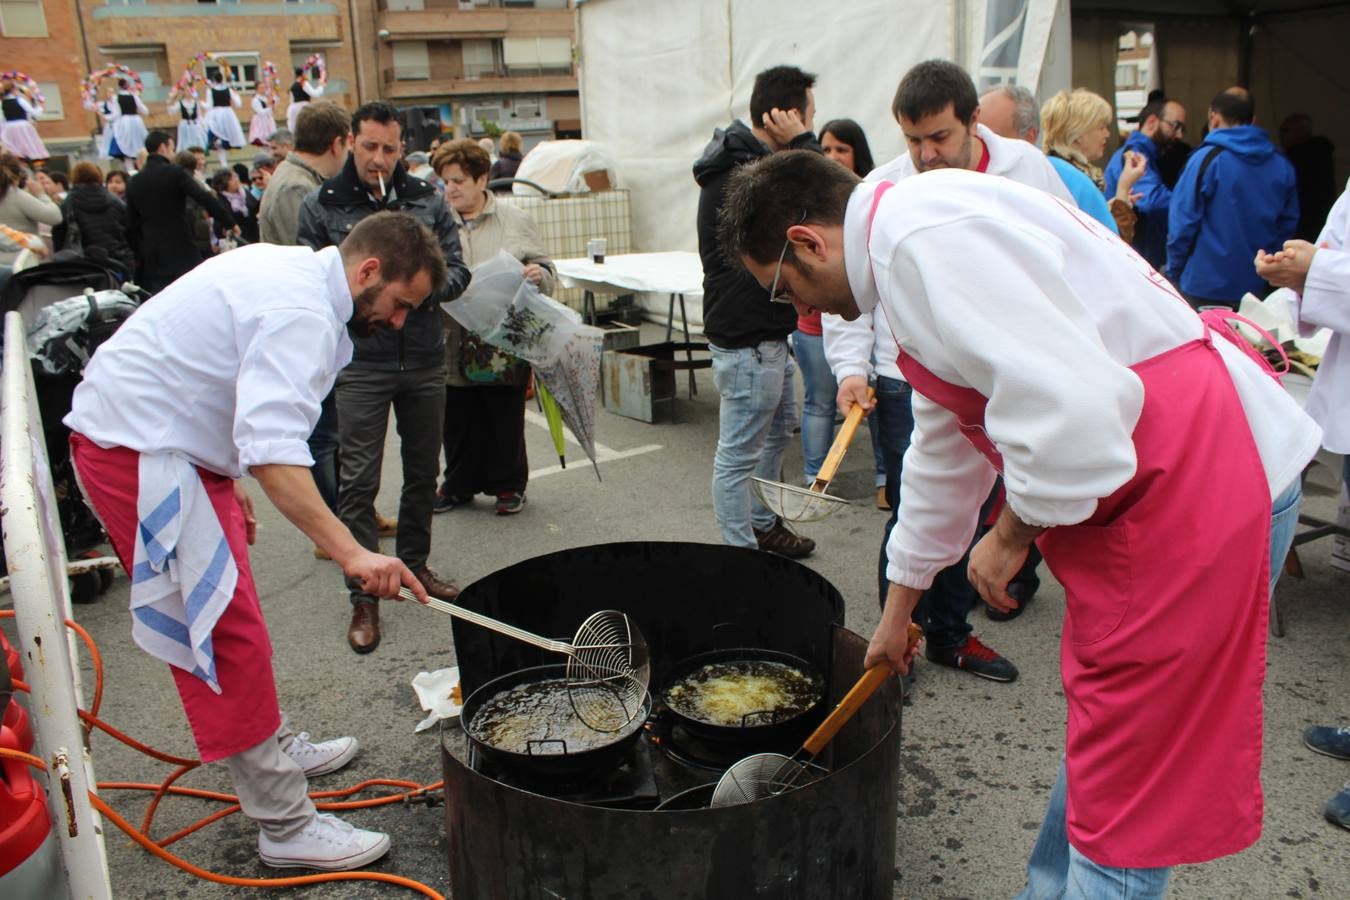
(412, 61)
(22, 18)
(541, 55)
(405, 5)
(148, 64)
(51, 94)
(526, 108)
(243, 69)
(1124, 76)
(480, 58)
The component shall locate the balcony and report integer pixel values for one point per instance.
(200, 10)
(447, 19)
(410, 84)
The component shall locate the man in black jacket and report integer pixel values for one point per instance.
(747, 332)
(156, 206)
(405, 369)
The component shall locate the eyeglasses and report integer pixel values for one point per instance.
(786, 295)
(1178, 127)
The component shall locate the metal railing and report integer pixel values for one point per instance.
(36, 556)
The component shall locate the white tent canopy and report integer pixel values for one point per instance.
(657, 77)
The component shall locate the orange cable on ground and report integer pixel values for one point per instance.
(167, 787)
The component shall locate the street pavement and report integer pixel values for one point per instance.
(979, 757)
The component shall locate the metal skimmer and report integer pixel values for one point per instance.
(608, 666)
(798, 504)
(767, 774)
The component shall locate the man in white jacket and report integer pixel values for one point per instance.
(1321, 276)
(938, 112)
(1064, 362)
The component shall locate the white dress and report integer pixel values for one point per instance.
(221, 120)
(107, 114)
(263, 126)
(18, 135)
(128, 128)
(1325, 303)
(191, 128)
(308, 91)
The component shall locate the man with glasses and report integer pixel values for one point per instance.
(747, 332)
(1161, 123)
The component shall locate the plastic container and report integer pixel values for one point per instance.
(28, 853)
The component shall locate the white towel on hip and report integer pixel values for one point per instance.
(184, 573)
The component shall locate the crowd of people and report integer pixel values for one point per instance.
(330, 303)
(1063, 397)
(1050, 398)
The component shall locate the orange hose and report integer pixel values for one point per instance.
(295, 881)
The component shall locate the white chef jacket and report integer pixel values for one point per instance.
(228, 366)
(1326, 304)
(1045, 327)
(865, 346)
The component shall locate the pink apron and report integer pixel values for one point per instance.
(1163, 650)
(245, 713)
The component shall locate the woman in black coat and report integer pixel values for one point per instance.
(94, 221)
(507, 164)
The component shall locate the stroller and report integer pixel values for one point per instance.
(70, 306)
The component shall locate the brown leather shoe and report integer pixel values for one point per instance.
(386, 526)
(434, 585)
(364, 632)
(782, 540)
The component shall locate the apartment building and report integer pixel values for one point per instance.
(473, 67)
(479, 66)
(158, 39)
(42, 39)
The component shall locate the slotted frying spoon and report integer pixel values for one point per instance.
(608, 666)
(767, 774)
(811, 504)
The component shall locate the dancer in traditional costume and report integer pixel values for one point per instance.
(18, 135)
(128, 129)
(222, 123)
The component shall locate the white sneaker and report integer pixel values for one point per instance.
(320, 759)
(326, 843)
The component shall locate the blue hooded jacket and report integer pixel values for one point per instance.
(1246, 200)
(1150, 232)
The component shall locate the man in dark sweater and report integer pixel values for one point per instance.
(747, 332)
(157, 198)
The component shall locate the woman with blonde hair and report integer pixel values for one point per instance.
(509, 160)
(1075, 127)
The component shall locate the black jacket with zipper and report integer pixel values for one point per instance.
(329, 214)
(736, 310)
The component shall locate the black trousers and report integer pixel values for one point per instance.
(485, 441)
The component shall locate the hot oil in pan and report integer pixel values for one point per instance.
(726, 693)
(537, 712)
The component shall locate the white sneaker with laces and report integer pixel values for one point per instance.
(320, 759)
(326, 843)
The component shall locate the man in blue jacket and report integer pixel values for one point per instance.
(1161, 123)
(1236, 196)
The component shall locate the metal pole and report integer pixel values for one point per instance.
(36, 556)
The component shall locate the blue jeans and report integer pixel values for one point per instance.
(755, 422)
(1055, 868)
(819, 389)
(1283, 524)
(818, 408)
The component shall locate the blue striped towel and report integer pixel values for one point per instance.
(183, 574)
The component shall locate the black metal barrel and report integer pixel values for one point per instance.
(834, 838)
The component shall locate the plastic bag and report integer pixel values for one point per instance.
(509, 313)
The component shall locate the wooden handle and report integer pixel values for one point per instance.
(857, 695)
(840, 446)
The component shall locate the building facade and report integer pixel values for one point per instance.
(472, 67)
(42, 38)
